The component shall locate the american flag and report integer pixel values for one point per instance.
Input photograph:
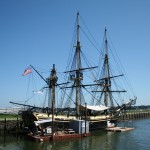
(27, 71)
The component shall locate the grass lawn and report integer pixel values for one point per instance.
(9, 116)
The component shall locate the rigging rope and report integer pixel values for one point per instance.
(121, 66)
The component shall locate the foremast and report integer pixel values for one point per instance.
(107, 74)
(106, 86)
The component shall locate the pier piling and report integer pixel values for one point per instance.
(138, 115)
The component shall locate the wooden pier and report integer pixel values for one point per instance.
(135, 115)
(10, 125)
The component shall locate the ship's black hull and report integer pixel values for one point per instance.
(29, 118)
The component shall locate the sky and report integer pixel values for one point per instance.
(39, 32)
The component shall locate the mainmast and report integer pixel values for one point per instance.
(78, 72)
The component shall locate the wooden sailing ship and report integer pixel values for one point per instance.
(99, 114)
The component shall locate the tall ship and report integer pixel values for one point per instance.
(95, 102)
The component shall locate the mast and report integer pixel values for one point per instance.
(106, 63)
(53, 81)
(106, 80)
(78, 72)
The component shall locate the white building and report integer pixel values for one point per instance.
(10, 110)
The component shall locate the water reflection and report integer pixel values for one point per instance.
(101, 140)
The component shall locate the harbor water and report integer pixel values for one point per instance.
(137, 139)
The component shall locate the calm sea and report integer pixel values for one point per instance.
(137, 139)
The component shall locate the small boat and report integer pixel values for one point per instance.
(45, 133)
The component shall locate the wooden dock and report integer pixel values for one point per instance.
(119, 129)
